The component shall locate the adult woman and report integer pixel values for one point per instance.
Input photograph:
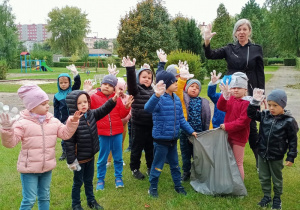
(241, 56)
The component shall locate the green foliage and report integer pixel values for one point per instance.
(101, 44)
(68, 27)
(8, 34)
(223, 26)
(144, 30)
(194, 61)
(298, 63)
(266, 62)
(272, 61)
(42, 55)
(289, 62)
(3, 69)
(115, 47)
(74, 58)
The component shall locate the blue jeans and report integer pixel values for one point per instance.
(161, 153)
(36, 184)
(107, 144)
(186, 148)
(85, 175)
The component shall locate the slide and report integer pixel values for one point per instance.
(45, 67)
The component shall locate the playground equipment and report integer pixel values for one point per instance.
(27, 63)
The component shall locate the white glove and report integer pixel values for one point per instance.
(161, 55)
(126, 62)
(74, 166)
(258, 96)
(225, 90)
(206, 32)
(160, 88)
(214, 78)
(87, 85)
(184, 70)
(73, 69)
(145, 66)
(5, 121)
(112, 69)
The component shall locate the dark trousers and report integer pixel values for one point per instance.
(186, 148)
(85, 175)
(141, 140)
(253, 138)
(161, 153)
(63, 146)
(129, 134)
(270, 169)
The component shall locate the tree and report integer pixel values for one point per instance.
(285, 20)
(68, 27)
(101, 44)
(188, 34)
(144, 30)
(223, 26)
(9, 41)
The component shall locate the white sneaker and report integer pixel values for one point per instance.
(108, 164)
(124, 163)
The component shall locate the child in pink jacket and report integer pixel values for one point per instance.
(37, 130)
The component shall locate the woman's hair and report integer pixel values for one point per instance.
(238, 24)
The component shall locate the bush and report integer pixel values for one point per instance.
(298, 63)
(3, 69)
(289, 62)
(102, 61)
(192, 59)
(272, 61)
(42, 55)
(266, 61)
(64, 64)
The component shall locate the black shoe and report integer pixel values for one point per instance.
(180, 190)
(265, 201)
(137, 174)
(94, 205)
(148, 171)
(276, 203)
(153, 192)
(77, 207)
(63, 156)
(185, 176)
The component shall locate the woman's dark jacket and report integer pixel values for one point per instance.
(276, 134)
(236, 58)
(84, 144)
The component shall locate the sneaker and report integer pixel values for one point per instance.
(127, 150)
(119, 182)
(148, 171)
(276, 203)
(63, 156)
(108, 164)
(100, 185)
(77, 207)
(137, 174)
(185, 176)
(264, 201)
(124, 164)
(153, 192)
(180, 190)
(94, 205)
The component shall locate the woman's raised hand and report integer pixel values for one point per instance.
(206, 32)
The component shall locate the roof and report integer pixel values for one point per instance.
(25, 53)
(99, 51)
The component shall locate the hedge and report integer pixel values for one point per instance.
(289, 62)
(298, 63)
(266, 61)
(272, 61)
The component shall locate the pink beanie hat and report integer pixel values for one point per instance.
(121, 83)
(32, 96)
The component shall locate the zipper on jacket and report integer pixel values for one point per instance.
(26, 159)
(43, 147)
(110, 121)
(274, 121)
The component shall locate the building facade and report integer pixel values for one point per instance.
(33, 32)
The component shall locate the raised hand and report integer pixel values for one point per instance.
(225, 90)
(126, 62)
(129, 101)
(73, 69)
(116, 96)
(87, 85)
(258, 94)
(112, 69)
(206, 32)
(6, 121)
(184, 70)
(215, 79)
(160, 88)
(161, 55)
(145, 66)
(77, 115)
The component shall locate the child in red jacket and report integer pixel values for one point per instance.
(110, 129)
(236, 122)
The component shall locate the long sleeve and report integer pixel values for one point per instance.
(260, 70)
(211, 93)
(292, 140)
(131, 81)
(160, 67)
(205, 114)
(152, 103)
(67, 131)
(11, 137)
(222, 103)
(77, 82)
(253, 112)
(181, 83)
(71, 149)
(184, 124)
(241, 122)
(56, 108)
(214, 54)
(103, 110)
(122, 109)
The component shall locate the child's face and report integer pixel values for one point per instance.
(194, 90)
(64, 83)
(145, 78)
(82, 103)
(122, 91)
(41, 109)
(172, 88)
(107, 89)
(238, 92)
(274, 108)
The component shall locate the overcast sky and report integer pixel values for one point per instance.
(105, 15)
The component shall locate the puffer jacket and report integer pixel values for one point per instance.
(84, 144)
(167, 117)
(38, 140)
(111, 124)
(276, 134)
(141, 95)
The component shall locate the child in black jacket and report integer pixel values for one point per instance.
(277, 133)
(84, 144)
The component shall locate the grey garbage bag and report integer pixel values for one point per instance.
(214, 170)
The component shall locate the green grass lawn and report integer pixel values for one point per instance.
(271, 68)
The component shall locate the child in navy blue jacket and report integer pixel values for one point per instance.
(168, 118)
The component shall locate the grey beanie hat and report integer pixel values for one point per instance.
(190, 82)
(278, 96)
(239, 80)
(110, 79)
(174, 69)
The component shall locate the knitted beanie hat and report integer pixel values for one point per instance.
(121, 83)
(110, 79)
(174, 69)
(239, 80)
(279, 96)
(190, 82)
(167, 77)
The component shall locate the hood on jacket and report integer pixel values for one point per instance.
(72, 98)
(139, 72)
(62, 94)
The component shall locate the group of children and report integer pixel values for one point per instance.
(95, 120)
